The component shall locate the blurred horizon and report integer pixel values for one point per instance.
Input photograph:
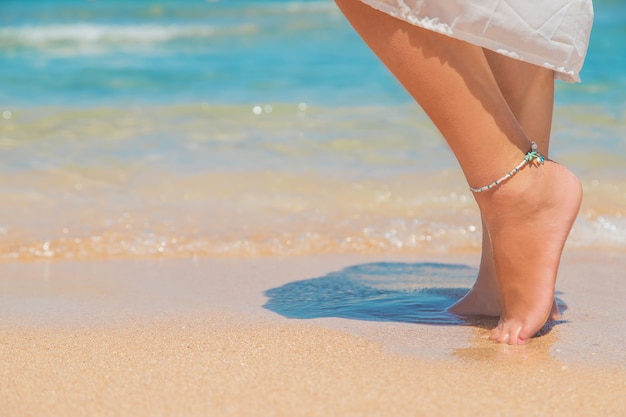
(76, 53)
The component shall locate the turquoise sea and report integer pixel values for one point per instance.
(143, 128)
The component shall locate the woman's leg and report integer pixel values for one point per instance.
(529, 217)
(529, 92)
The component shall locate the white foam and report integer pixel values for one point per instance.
(89, 33)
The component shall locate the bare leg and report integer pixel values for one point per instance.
(529, 217)
(529, 91)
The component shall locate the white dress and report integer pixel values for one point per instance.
(550, 33)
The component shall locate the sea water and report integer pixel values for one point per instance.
(134, 129)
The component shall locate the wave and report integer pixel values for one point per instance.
(90, 33)
(88, 240)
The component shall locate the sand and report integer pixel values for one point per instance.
(191, 337)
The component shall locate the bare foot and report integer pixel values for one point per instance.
(484, 298)
(528, 219)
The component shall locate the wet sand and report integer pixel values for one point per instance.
(185, 337)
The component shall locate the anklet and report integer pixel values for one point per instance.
(530, 157)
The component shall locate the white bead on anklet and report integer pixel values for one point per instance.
(530, 157)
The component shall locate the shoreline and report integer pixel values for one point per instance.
(192, 337)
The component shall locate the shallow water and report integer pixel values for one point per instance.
(160, 129)
(393, 292)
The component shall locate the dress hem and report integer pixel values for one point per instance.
(560, 72)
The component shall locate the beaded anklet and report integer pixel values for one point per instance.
(532, 155)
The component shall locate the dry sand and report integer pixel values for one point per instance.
(191, 338)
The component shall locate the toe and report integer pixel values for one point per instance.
(494, 333)
(508, 333)
(516, 338)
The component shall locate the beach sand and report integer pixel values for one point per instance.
(192, 338)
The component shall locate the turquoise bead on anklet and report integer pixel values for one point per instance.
(532, 156)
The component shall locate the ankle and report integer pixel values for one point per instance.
(532, 158)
